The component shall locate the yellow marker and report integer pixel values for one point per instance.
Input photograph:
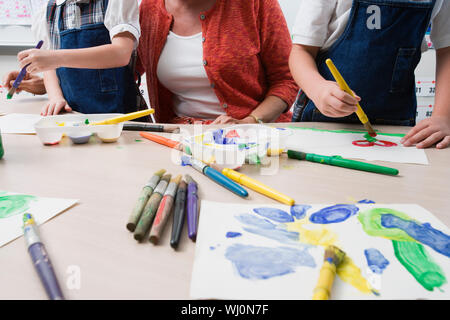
(125, 117)
(344, 86)
(257, 186)
(332, 259)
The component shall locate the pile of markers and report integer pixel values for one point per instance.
(159, 197)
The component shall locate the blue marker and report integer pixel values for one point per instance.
(215, 175)
(21, 76)
(40, 258)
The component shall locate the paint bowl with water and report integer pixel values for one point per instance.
(235, 145)
(50, 130)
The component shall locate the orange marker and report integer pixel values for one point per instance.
(162, 140)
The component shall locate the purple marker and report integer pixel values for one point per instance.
(192, 207)
(21, 76)
(40, 258)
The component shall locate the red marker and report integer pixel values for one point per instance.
(162, 140)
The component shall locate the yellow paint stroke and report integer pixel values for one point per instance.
(319, 235)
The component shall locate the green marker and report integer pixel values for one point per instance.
(341, 162)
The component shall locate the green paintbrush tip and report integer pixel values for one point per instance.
(9, 96)
(296, 155)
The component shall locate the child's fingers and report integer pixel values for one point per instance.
(67, 108)
(44, 110)
(420, 126)
(25, 62)
(418, 137)
(342, 108)
(344, 96)
(444, 143)
(432, 139)
(23, 54)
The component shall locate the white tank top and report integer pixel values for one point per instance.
(180, 69)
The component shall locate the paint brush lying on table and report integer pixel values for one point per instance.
(125, 117)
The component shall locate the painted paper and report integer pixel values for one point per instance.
(13, 206)
(355, 145)
(18, 123)
(250, 251)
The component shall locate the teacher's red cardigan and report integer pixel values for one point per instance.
(246, 47)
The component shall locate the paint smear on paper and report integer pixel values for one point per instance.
(14, 204)
(259, 263)
(414, 257)
(351, 274)
(274, 214)
(312, 234)
(366, 201)
(376, 260)
(267, 229)
(371, 223)
(298, 211)
(423, 233)
(231, 234)
(334, 214)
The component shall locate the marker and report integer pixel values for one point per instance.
(178, 215)
(125, 117)
(344, 86)
(143, 199)
(192, 207)
(215, 175)
(150, 208)
(41, 260)
(258, 186)
(164, 210)
(21, 76)
(164, 141)
(149, 127)
(338, 161)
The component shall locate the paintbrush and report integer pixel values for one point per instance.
(332, 259)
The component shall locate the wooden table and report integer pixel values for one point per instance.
(107, 178)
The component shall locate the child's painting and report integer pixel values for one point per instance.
(355, 144)
(396, 251)
(13, 206)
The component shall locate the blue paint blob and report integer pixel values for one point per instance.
(274, 214)
(424, 233)
(366, 201)
(334, 214)
(231, 234)
(299, 210)
(267, 229)
(212, 248)
(375, 260)
(259, 263)
(185, 161)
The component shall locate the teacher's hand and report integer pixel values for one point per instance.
(31, 83)
(225, 119)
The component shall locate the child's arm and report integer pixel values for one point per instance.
(116, 54)
(56, 103)
(437, 128)
(326, 95)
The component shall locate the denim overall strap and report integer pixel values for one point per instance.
(377, 55)
(93, 90)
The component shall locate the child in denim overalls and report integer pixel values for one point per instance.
(376, 45)
(86, 59)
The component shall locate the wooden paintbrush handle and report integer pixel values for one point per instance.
(325, 282)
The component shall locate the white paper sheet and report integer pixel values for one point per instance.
(19, 123)
(242, 254)
(13, 206)
(341, 143)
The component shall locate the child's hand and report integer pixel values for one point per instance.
(38, 60)
(428, 132)
(333, 102)
(31, 83)
(55, 106)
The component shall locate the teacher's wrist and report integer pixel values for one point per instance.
(254, 119)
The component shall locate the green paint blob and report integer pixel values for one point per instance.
(371, 223)
(14, 204)
(137, 140)
(414, 257)
(86, 122)
(369, 138)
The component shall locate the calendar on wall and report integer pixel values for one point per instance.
(18, 12)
